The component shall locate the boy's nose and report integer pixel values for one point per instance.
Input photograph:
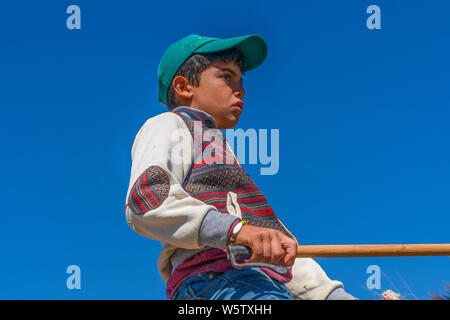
(240, 93)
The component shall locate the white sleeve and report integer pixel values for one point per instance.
(157, 206)
(309, 281)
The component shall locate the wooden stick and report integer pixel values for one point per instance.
(373, 250)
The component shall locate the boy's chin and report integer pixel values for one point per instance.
(229, 123)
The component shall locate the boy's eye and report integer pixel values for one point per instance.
(227, 77)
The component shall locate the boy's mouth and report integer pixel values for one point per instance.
(239, 104)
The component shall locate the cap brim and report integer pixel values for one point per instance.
(253, 48)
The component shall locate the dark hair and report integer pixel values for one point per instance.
(195, 64)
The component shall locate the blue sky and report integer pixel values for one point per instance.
(363, 117)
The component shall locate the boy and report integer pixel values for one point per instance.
(188, 190)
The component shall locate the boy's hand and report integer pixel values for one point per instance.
(268, 245)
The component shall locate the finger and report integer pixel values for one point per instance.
(277, 257)
(267, 248)
(290, 248)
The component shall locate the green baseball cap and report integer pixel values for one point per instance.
(252, 47)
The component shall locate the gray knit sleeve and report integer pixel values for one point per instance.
(214, 229)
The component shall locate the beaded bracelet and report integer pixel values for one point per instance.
(236, 230)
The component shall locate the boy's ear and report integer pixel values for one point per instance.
(182, 88)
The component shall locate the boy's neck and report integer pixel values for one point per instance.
(197, 114)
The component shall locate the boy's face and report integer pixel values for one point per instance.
(220, 93)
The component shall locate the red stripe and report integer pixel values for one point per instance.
(148, 190)
(225, 191)
(136, 199)
(269, 212)
(255, 199)
(206, 171)
(258, 212)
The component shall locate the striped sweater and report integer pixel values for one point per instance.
(187, 189)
